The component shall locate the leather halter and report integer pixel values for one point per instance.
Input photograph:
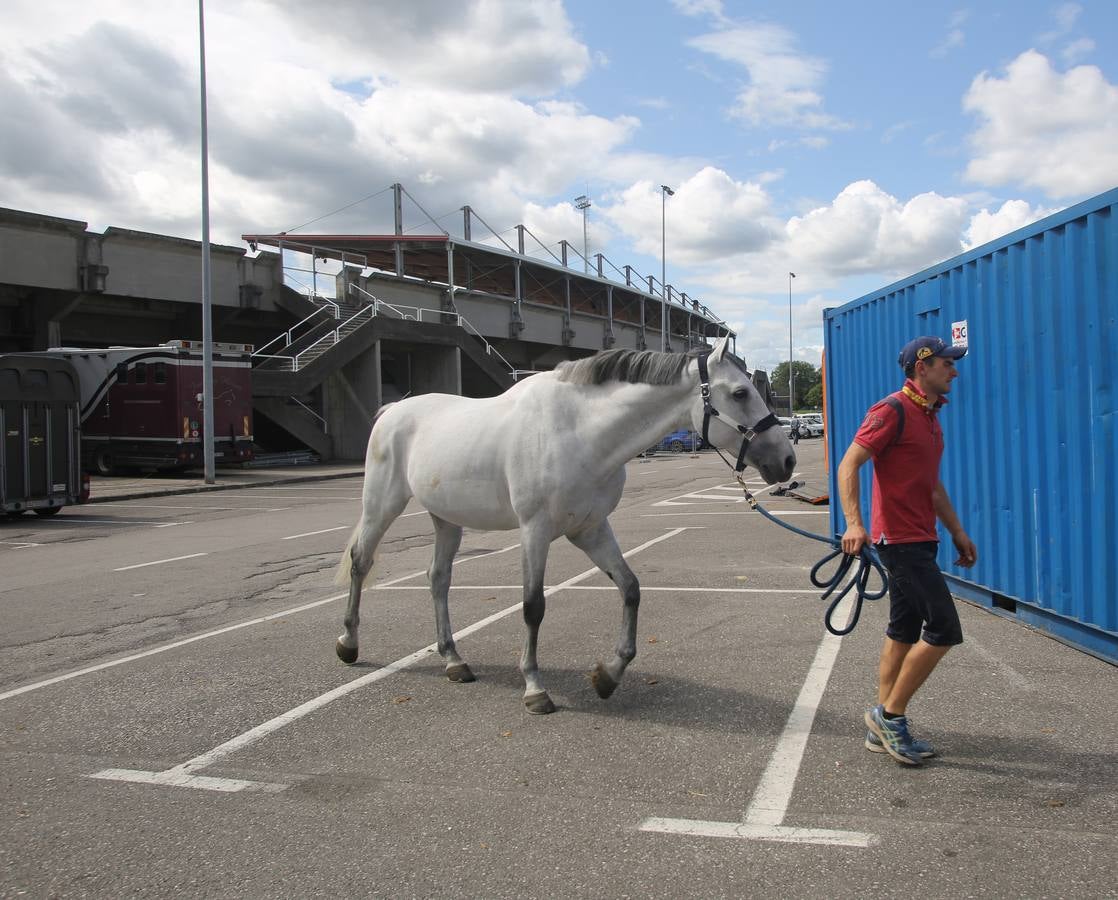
(748, 433)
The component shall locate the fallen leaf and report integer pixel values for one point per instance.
(1048, 731)
(401, 699)
(1055, 803)
(506, 734)
(653, 639)
(651, 681)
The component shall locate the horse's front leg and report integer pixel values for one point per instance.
(448, 538)
(377, 513)
(600, 545)
(535, 543)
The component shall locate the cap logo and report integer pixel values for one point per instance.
(924, 352)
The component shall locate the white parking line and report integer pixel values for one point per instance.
(292, 537)
(613, 587)
(765, 815)
(20, 545)
(159, 562)
(15, 692)
(132, 505)
(742, 512)
(76, 520)
(183, 775)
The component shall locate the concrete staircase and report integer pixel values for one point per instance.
(286, 374)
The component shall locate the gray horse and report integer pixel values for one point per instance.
(548, 457)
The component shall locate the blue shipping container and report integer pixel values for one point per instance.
(1031, 456)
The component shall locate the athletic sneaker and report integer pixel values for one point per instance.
(923, 748)
(894, 736)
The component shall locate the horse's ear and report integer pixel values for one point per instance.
(719, 349)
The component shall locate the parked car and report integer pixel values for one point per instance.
(679, 441)
(810, 426)
(785, 423)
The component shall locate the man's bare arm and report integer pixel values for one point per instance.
(849, 486)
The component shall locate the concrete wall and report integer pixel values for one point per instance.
(351, 397)
(436, 370)
(43, 256)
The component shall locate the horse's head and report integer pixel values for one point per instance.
(739, 403)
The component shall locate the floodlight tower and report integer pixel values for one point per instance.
(583, 202)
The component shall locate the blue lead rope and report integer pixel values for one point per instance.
(867, 562)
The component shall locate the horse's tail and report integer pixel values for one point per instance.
(345, 565)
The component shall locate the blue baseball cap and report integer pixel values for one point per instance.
(926, 346)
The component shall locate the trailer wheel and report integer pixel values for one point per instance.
(677, 446)
(47, 511)
(103, 462)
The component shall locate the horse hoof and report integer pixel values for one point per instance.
(348, 655)
(460, 673)
(539, 704)
(602, 681)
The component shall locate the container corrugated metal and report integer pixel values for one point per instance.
(1031, 450)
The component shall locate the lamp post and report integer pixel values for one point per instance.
(207, 308)
(583, 202)
(791, 381)
(665, 193)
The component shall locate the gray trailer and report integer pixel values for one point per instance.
(40, 450)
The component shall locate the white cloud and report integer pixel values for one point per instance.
(1077, 50)
(710, 217)
(711, 8)
(986, 226)
(955, 39)
(783, 86)
(529, 46)
(107, 98)
(811, 141)
(1043, 129)
(867, 230)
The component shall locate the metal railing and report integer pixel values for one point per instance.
(439, 316)
(325, 429)
(373, 307)
(331, 337)
(289, 335)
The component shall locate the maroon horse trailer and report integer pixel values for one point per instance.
(142, 406)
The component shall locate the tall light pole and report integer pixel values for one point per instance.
(665, 193)
(207, 329)
(583, 202)
(791, 381)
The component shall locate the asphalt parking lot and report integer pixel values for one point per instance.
(173, 719)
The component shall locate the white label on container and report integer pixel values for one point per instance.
(959, 334)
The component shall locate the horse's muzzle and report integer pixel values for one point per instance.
(776, 471)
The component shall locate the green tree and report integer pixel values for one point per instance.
(805, 378)
(814, 397)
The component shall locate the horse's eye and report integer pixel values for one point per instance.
(740, 394)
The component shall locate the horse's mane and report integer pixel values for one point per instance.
(634, 366)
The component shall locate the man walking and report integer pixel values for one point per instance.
(902, 435)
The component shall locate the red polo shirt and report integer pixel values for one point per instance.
(904, 473)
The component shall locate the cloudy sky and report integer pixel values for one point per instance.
(852, 144)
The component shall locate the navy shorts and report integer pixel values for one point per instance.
(918, 596)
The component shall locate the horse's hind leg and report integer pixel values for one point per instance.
(378, 512)
(448, 538)
(601, 546)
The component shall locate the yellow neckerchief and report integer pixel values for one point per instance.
(918, 397)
